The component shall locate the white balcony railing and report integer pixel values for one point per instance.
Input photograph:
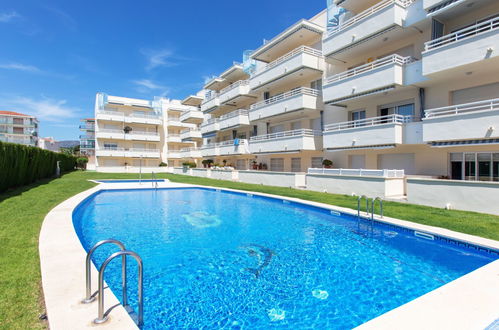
(374, 121)
(278, 135)
(358, 172)
(283, 96)
(234, 85)
(132, 115)
(487, 105)
(388, 60)
(133, 132)
(240, 112)
(368, 13)
(492, 24)
(284, 58)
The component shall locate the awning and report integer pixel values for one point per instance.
(445, 144)
(385, 146)
(356, 96)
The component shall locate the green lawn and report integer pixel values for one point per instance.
(22, 212)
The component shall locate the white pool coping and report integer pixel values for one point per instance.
(469, 302)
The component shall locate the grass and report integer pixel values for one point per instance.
(22, 212)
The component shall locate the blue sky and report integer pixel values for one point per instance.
(55, 55)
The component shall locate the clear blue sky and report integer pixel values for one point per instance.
(55, 55)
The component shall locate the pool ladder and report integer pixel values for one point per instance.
(373, 203)
(154, 180)
(89, 297)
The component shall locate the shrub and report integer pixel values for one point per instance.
(327, 163)
(163, 164)
(189, 164)
(207, 162)
(81, 163)
(21, 165)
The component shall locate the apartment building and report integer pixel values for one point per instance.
(133, 134)
(18, 128)
(413, 85)
(391, 84)
(192, 135)
(87, 140)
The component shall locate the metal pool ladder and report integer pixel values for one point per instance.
(103, 316)
(373, 201)
(154, 180)
(359, 199)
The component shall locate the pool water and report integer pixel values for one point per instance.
(216, 259)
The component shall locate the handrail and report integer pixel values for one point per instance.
(189, 149)
(132, 132)
(102, 317)
(384, 61)
(489, 25)
(373, 201)
(88, 276)
(128, 149)
(296, 51)
(123, 114)
(240, 112)
(283, 96)
(368, 12)
(486, 105)
(359, 199)
(374, 121)
(234, 85)
(296, 132)
(212, 97)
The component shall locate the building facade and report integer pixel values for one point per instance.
(392, 84)
(18, 128)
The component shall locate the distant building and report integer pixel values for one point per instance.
(18, 128)
(49, 143)
(87, 138)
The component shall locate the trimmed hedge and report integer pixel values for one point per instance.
(21, 165)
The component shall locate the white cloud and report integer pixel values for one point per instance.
(145, 86)
(7, 17)
(45, 109)
(158, 58)
(20, 67)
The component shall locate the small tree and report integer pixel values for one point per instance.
(81, 163)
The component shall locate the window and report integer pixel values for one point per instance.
(356, 116)
(316, 162)
(295, 164)
(317, 84)
(481, 166)
(277, 164)
(240, 164)
(110, 146)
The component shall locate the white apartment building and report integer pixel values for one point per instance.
(392, 84)
(87, 140)
(134, 134)
(18, 128)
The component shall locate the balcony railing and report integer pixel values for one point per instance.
(487, 105)
(357, 172)
(374, 121)
(133, 115)
(234, 85)
(211, 97)
(189, 149)
(283, 96)
(367, 13)
(388, 60)
(132, 132)
(87, 127)
(240, 112)
(129, 149)
(299, 50)
(293, 133)
(492, 24)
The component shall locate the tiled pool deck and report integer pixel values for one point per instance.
(470, 302)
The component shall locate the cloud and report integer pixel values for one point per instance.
(145, 86)
(45, 109)
(158, 58)
(20, 67)
(7, 17)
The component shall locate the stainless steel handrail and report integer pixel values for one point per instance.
(359, 199)
(373, 201)
(89, 297)
(103, 317)
(154, 181)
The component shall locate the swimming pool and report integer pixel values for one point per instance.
(129, 180)
(220, 259)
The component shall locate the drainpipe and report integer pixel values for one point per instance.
(421, 102)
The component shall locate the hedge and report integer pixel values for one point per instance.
(21, 165)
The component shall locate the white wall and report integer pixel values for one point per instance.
(279, 179)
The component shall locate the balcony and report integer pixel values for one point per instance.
(233, 119)
(209, 150)
(210, 104)
(386, 19)
(174, 154)
(297, 99)
(210, 126)
(376, 131)
(87, 127)
(476, 120)
(87, 137)
(296, 140)
(233, 147)
(468, 46)
(153, 119)
(190, 134)
(127, 152)
(190, 153)
(375, 77)
(236, 93)
(173, 138)
(302, 63)
(176, 122)
(192, 117)
(131, 136)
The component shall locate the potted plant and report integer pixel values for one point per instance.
(254, 165)
(127, 129)
(327, 163)
(225, 162)
(163, 164)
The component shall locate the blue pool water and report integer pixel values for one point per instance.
(215, 259)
